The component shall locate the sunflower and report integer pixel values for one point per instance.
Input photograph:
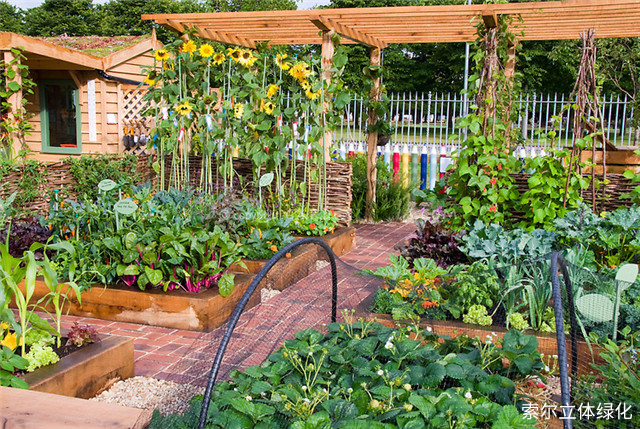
(300, 71)
(238, 111)
(272, 90)
(161, 55)
(206, 50)
(305, 85)
(266, 106)
(149, 81)
(218, 58)
(234, 53)
(184, 109)
(280, 61)
(189, 47)
(312, 95)
(246, 58)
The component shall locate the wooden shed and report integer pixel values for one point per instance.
(86, 90)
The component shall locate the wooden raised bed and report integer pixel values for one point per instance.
(341, 241)
(84, 372)
(201, 311)
(547, 343)
(21, 408)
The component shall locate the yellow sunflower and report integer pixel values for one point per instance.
(246, 58)
(234, 53)
(305, 85)
(280, 61)
(266, 106)
(184, 109)
(189, 47)
(161, 55)
(149, 81)
(206, 50)
(272, 90)
(300, 71)
(312, 95)
(218, 58)
(238, 111)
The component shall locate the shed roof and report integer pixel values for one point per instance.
(56, 53)
(380, 26)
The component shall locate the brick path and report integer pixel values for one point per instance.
(186, 356)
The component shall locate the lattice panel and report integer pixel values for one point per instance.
(133, 104)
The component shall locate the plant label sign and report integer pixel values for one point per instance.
(125, 207)
(106, 185)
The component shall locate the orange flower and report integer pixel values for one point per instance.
(274, 248)
(493, 208)
(493, 181)
(287, 255)
(312, 226)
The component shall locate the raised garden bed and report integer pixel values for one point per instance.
(547, 343)
(203, 311)
(84, 372)
(341, 241)
(25, 408)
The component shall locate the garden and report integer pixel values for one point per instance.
(463, 327)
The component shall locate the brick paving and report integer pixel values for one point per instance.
(186, 356)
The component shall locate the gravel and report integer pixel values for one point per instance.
(149, 394)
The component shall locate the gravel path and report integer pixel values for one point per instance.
(149, 394)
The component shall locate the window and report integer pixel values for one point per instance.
(60, 117)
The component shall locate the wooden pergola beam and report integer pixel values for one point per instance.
(326, 24)
(223, 37)
(490, 19)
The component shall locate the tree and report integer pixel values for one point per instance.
(10, 17)
(122, 17)
(250, 5)
(56, 17)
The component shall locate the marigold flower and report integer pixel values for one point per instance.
(161, 55)
(274, 248)
(189, 47)
(184, 109)
(493, 208)
(287, 255)
(10, 340)
(272, 90)
(218, 58)
(206, 50)
(312, 226)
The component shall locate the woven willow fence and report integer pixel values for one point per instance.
(338, 182)
(57, 176)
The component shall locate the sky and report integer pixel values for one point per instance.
(27, 4)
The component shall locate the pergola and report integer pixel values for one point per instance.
(379, 27)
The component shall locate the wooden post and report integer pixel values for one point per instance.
(510, 66)
(15, 101)
(327, 65)
(372, 137)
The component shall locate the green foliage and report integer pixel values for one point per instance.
(9, 364)
(54, 17)
(319, 223)
(506, 247)
(365, 374)
(33, 175)
(40, 355)
(618, 377)
(392, 195)
(89, 170)
(477, 315)
(517, 321)
(467, 285)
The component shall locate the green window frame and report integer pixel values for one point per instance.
(44, 118)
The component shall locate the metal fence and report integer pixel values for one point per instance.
(430, 119)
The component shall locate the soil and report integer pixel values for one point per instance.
(65, 349)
